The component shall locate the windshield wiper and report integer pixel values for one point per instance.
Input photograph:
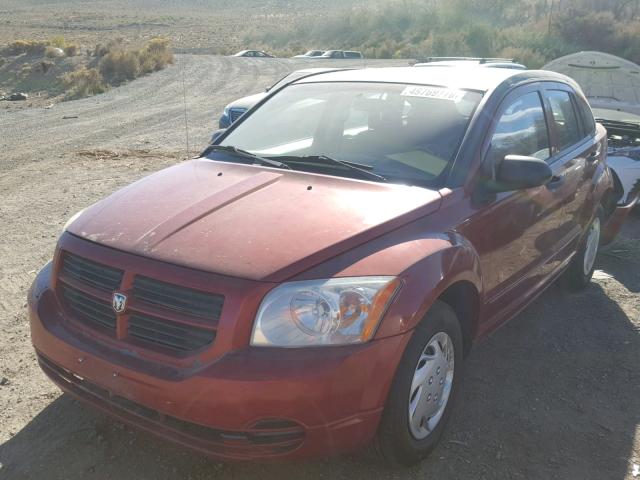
(248, 155)
(363, 170)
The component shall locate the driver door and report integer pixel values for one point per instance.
(508, 228)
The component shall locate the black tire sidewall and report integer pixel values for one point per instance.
(575, 278)
(395, 439)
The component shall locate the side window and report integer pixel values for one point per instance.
(521, 130)
(588, 122)
(564, 117)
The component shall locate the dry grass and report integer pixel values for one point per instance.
(118, 64)
(19, 47)
(84, 82)
(155, 55)
(48, 68)
(71, 50)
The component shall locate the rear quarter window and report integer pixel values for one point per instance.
(588, 122)
(568, 127)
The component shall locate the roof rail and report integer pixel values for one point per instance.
(469, 59)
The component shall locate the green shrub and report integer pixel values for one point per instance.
(58, 41)
(539, 30)
(83, 82)
(524, 55)
(102, 49)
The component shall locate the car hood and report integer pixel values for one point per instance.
(247, 102)
(247, 221)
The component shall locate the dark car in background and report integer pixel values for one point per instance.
(253, 53)
(234, 110)
(340, 54)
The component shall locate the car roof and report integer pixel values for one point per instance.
(468, 78)
(318, 70)
(468, 63)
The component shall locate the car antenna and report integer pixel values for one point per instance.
(184, 101)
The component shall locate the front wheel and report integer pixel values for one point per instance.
(423, 390)
(580, 270)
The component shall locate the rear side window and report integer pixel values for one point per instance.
(521, 130)
(564, 117)
(588, 122)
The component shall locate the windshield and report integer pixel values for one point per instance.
(403, 133)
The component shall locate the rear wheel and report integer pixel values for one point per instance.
(423, 390)
(580, 271)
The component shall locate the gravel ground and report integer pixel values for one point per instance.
(553, 394)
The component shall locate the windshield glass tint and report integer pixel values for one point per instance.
(405, 133)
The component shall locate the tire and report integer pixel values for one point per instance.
(578, 275)
(396, 441)
(635, 191)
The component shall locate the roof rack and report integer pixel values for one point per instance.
(469, 59)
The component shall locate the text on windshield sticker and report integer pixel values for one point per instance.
(433, 92)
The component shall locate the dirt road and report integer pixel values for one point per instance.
(554, 394)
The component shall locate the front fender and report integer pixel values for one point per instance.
(426, 262)
(427, 279)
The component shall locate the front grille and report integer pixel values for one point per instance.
(236, 113)
(91, 273)
(180, 299)
(265, 438)
(169, 334)
(159, 315)
(89, 310)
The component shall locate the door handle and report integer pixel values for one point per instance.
(593, 155)
(555, 182)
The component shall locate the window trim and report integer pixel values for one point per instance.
(506, 102)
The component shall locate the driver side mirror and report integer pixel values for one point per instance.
(518, 172)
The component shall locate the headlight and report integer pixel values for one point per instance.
(323, 312)
(72, 219)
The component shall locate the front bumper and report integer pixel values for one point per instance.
(250, 403)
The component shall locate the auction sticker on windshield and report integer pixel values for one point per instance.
(433, 92)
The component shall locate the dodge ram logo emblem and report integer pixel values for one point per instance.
(119, 302)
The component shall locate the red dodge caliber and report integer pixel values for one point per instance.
(311, 285)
